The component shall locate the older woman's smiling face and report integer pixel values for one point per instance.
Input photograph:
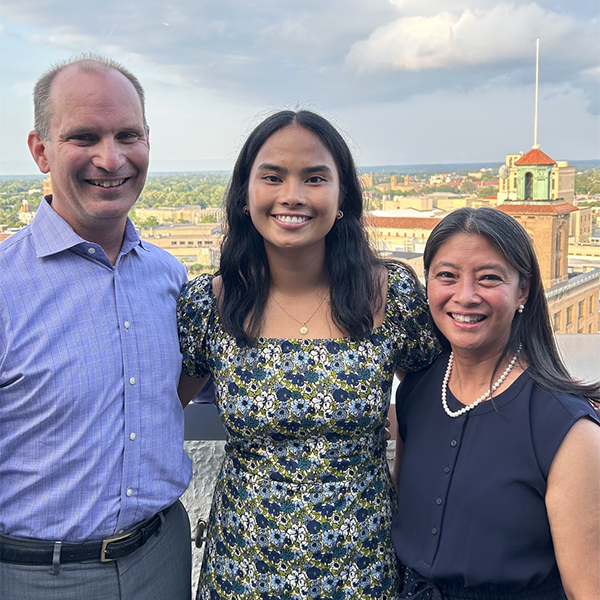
(473, 294)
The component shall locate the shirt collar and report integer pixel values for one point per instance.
(52, 234)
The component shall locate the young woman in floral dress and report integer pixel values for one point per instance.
(302, 330)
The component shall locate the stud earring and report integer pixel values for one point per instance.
(521, 308)
(246, 209)
(339, 215)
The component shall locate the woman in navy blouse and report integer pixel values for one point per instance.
(499, 477)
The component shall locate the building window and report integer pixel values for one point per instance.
(591, 305)
(580, 309)
(569, 315)
(182, 243)
(173, 243)
(556, 320)
(528, 185)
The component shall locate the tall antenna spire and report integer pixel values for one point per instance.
(537, 80)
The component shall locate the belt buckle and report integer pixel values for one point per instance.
(109, 540)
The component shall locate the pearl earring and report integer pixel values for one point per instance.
(339, 215)
(246, 210)
(521, 308)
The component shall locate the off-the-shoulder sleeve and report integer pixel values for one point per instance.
(408, 315)
(196, 309)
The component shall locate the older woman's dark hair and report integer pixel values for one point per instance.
(349, 260)
(531, 329)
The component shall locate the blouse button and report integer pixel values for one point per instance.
(434, 530)
(438, 501)
(446, 469)
(453, 443)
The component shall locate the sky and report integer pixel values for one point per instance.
(406, 81)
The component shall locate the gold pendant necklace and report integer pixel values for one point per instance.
(303, 327)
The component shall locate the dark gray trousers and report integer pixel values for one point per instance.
(159, 570)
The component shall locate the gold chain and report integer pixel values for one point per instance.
(303, 328)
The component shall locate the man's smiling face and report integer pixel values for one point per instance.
(97, 151)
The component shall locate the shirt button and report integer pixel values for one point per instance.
(132, 380)
(438, 501)
(434, 530)
(92, 250)
(129, 492)
(453, 443)
(126, 324)
(132, 436)
(446, 469)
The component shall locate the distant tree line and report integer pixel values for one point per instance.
(588, 182)
(208, 190)
(196, 189)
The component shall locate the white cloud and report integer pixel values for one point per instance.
(592, 74)
(450, 41)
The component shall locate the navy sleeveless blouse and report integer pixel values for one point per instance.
(471, 488)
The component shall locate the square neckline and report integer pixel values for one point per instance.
(266, 340)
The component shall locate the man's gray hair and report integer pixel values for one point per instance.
(86, 62)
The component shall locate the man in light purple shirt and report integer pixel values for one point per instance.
(91, 428)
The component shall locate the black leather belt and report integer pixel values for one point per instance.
(26, 551)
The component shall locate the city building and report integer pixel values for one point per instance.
(404, 234)
(179, 214)
(25, 215)
(47, 183)
(523, 176)
(531, 188)
(191, 244)
(366, 179)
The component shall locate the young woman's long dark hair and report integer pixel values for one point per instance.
(350, 263)
(531, 329)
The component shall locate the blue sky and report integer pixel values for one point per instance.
(407, 81)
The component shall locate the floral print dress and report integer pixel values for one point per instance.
(304, 501)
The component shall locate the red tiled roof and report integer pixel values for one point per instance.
(483, 184)
(402, 222)
(535, 157)
(537, 209)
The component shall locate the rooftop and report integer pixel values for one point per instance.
(535, 157)
(573, 282)
(402, 222)
(539, 207)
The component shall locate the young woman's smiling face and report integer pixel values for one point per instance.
(293, 190)
(473, 294)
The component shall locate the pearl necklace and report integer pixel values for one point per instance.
(479, 400)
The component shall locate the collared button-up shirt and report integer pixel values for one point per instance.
(91, 427)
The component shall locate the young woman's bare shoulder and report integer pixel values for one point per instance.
(217, 285)
(217, 289)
